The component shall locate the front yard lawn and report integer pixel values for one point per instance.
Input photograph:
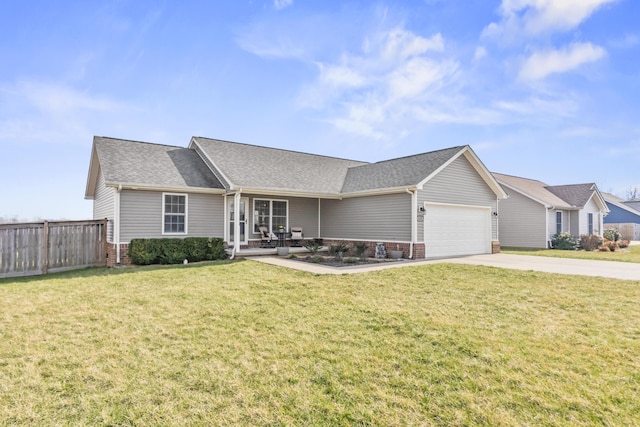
(244, 343)
(630, 254)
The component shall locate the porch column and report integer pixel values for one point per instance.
(236, 221)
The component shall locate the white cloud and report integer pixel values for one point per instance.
(281, 4)
(480, 52)
(541, 64)
(369, 91)
(535, 17)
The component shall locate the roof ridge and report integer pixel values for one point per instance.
(521, 177)
(138, 142)
(282, 149)
(418, 154)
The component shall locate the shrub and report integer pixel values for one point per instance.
(360, 250)
(623, 244)
(312, 246)
(611, 234)
(174, 251)
(338, 248)
(590, 242)
(563, 241)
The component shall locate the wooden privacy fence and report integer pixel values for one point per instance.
(47, 247)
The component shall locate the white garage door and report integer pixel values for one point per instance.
(453, 230)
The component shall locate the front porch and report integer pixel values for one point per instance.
(250, 252)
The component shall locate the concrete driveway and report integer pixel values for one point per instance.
(583, 267)
(610, 269)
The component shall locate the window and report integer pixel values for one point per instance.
(559, 222)
(271, 213)
(174, 214)
(590, 220)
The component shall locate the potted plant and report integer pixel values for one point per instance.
(282, 250)
(397, 254)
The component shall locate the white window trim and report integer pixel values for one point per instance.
(561, 221)
(186, 214)
(253, 213)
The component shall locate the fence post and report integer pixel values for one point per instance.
(45, 247)
(105, 245)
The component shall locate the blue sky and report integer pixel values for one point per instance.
(545, 89)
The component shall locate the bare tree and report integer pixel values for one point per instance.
(633, 193)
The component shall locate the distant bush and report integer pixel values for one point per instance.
(175, 251)
(590, 242)
(563, 241)
(611, 234)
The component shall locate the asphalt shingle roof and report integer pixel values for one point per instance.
(141, 163)
(575, 195)
(400, 172)
(252, 166)
(561, 196)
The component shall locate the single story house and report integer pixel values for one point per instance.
(535, 211)
(623, 216)
(436, 204)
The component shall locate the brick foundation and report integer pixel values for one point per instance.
(495, 247)
(112, 255)
(405, 247)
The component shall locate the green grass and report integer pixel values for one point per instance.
(243, 343)
(630, 254)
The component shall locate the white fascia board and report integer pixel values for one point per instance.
(600, 200)
(218, 170)
(378, 192)
(92, 175)
(283, 192)
(477, 165)
(147, 187)
(484, 172)
(527, 195)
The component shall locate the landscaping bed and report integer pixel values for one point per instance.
(333, 261)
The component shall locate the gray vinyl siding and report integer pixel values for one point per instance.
(141, 215)
(385, 218)
(103, 202)
(459, 184)
(522, 222)
(303, 212)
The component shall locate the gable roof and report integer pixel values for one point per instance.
(245, 166)
(573, 196)
(621, 203)
(400, 172)
(212, 165)
(146, 165)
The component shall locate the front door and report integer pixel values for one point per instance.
(242, 216)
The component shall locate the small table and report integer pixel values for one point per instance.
(282, 237)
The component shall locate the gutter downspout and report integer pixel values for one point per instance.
(116, 225)
(414, 220)
(236, 221)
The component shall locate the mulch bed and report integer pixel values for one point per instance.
(345, 262)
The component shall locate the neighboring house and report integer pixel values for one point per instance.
(436, 204)
(623, 216)
(535, 211)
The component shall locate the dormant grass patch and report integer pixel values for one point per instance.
(244, 343)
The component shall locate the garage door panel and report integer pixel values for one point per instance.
(452, 230)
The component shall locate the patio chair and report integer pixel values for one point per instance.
(296, 236)
(266, 239)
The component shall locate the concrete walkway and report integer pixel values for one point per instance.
(609, 269)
